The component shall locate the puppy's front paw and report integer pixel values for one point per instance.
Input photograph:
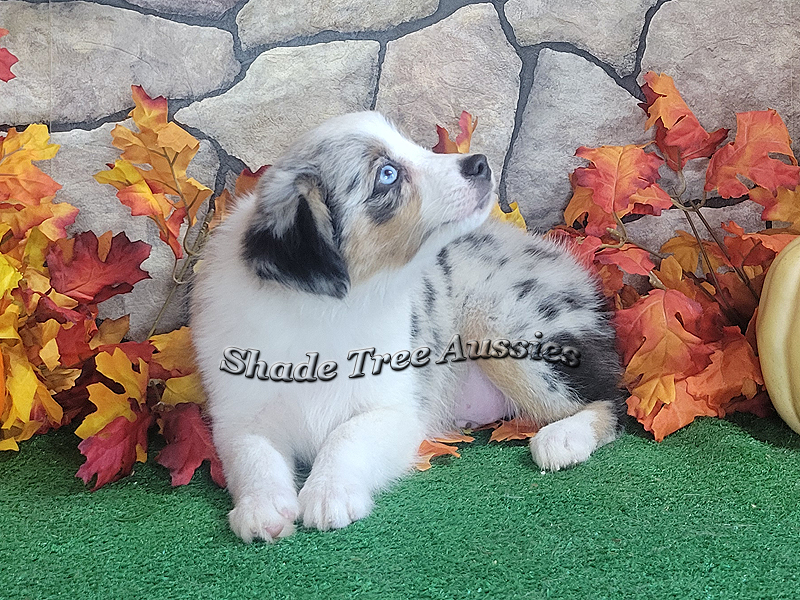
(266, 517)
(562, 444)
(329, 504)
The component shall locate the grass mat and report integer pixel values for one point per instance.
(711, 512)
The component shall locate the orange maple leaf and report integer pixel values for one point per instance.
(679, 135)
(514, 429)
(440, 446)
(659, 339)
(686, 250)
(629, 258)
(616, 173)
(467, 123)
(21, 182)
(758, 134)
(784, 205)
(159, 186)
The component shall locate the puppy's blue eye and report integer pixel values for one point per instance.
(387, 175)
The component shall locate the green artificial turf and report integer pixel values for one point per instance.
(711, 512)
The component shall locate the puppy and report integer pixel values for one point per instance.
(359, 302)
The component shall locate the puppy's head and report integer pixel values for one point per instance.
(353, 198)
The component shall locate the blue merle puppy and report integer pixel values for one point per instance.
(359, 301)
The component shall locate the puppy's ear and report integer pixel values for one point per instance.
(292, 238)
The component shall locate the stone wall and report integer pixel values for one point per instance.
(246, 76)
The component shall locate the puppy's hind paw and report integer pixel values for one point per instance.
(327, 504)
(264, 517)
(564, 443)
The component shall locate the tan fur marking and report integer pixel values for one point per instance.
(511, 378)
(372, 248)
(604, 424)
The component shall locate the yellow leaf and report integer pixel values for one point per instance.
(9, 444)
(9, 323)
(175, 350)
(514, 217)
(111, 331)
(110, 405)
(174, 138)
(49, 352)
(31, 144)
(62, 300)
(35, 249)
(52, 408)
(9, 275)
(60, 379)
(183, 389)
(118, 367)
(21, 384)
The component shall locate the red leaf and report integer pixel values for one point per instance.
(110, 454)
(248, 179)
(6, 60)
(80, 274)
(188, 445)
(678, 132)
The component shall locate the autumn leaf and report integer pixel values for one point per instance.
(514, 216)
(174, 352)
(781, 206)
(629, 258)
(758, 134)
(77, 271)
(7, 60)
(440, 446)
(514, 429)
(110, 331)
(616, 173)
(111, 453)
(21, 182)
(467, 123)
(659, 339)
(734, 371)
(686, 250)
(189, 443)
(678, 132)
(187, 388)
(150, 177)
(429, 449)
(110, 404)
(247, 180)
(581, 205)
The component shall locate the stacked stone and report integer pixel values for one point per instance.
(247, 77)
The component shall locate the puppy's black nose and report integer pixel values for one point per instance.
(476, 166)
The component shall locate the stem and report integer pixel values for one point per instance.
(189, 260)
(742, 275)
(725, 306)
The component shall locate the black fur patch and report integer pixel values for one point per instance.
(475, 241)
(598, 376)
(526, 287)
(538, 252)
(443, 260)
(430, 296)
(414, 325)
(299, 258)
